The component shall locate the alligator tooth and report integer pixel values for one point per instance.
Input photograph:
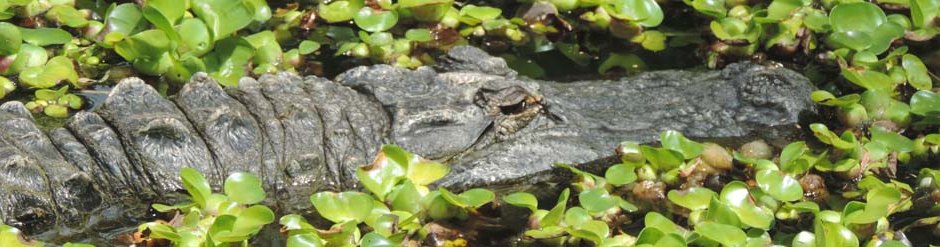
(158, 138)
(231, 133)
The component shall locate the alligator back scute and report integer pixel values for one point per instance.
(158, 138)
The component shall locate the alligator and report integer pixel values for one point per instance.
(307, 134)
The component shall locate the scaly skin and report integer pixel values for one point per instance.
(303, 135)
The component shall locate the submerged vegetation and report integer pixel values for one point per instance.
(869, 177)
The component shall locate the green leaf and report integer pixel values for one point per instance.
(196, 184)
(781, 186)
(198, 40)
(10, 39)
(554, 216)
(473, 198)
(223, 17)
(878, 206)
(595, 231)
(252, 219)
(621, 174)
(916, 72)
(56, 111)
(662, 159)
(385, 171)
(737, 196)
(405, 197)
(522, 199)
(342, 207)
(373, 239)
(925, 103)
(426, 172)
(644, 12)
(720, 212)
(148, 50)
(725, 234)
(67, 15)
(170, 9)
(892, 140)
(576, 216)
(339, 11)
(804, 239)
(833, 234)
(627, 62)
(923, 13)
(597, 200)
(676, 141)
(56, 70)
(125, 19)
(373, 20)
(659, 222)
(305, 240)
(45, 36)
(480, 13)
(695, 198)
(419, 35)
(307, 47)
(228, 60)
(244, 188)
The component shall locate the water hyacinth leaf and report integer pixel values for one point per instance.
(834, 234)
(67, 15)
(522, 199)
(339, 11)
(804, 239)
(826, 98)
(158, 230)
(307, 47)
(892, 140)
(595, 231)
(45, 36)
(170, 9)
(828, 137)
(160, 22)
(419, 35)
(676, 141)
(554, 216)
(196, 185)
(695, 198)
(292, 222)
(343, 207)
(56, 111)
(792, 158)
(252, 219)
(223, 17)
(426, 172)
(630, 63)
(576, 216)
(6, 87)
(428, 10)
(655, 220)
(373, 20)
(597, 199)
(662, 159)
(737, 196)
(385, 171)
(267, 50)
(473, 198)
(782, 9)
(305, 240)
(724, 234)
(621, 174)
(147, 50)
(125, 19)
(56, 70)
(28, 56)
(645, 12)
(721, 213)
(546, 232)
(781, 186)
(916, 72)
(373, 239)
(925, 103)
(228, 60)
(480, 13)
(10, 39)
(404, 198)
(877, 206)
(244, 188)
(198, 40)
(923, 12)
(856, 17)
(714, 8)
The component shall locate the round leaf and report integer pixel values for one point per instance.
(195, 183)
(373, 20)
(724, 234)
(522, 199)
(780, 186)
(10, 39)
(694, 198)
(244, 188)
(342, 207)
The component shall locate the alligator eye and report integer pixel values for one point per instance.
(513, 109)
